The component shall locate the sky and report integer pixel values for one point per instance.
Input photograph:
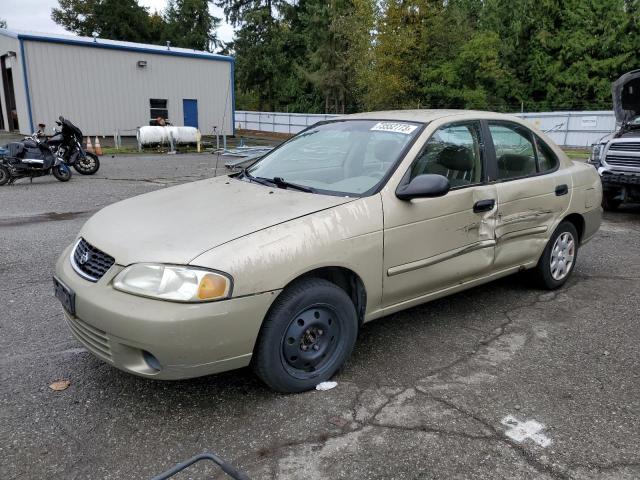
(35, 15)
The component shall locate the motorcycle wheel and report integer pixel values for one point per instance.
(87, 165)
(5, 176)
(61, 172)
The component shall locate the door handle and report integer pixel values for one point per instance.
(562, 190)
(484, 205)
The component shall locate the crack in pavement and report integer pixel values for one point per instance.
(371, 420)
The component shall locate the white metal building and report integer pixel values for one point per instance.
(105, 85)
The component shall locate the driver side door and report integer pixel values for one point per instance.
(431, 244)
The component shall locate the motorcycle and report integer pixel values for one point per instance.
(66, 143)
(30, 158)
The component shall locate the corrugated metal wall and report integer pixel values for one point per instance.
(577, 129)
(102, 90)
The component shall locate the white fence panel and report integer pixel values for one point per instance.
(573, 129)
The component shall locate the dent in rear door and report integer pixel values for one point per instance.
(528, 210)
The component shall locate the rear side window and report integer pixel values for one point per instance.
(547, 160)
(515, 151)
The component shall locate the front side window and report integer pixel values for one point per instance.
(455, 152)
(345, 157)
(515, 151)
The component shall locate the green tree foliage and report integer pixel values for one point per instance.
(113, 19)
(3, 23)
(189, 24)
(185, 23)
(349, 55)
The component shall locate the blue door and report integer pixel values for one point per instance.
(190, 109)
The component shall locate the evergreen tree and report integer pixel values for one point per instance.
(189, 24)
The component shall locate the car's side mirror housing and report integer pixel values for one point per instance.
(424, 186)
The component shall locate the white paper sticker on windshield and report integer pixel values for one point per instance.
(394, 127)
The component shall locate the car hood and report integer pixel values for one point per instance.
(177, 224)
(626, 96)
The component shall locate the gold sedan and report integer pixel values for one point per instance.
(352, 219)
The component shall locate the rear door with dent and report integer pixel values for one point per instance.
(533, 192)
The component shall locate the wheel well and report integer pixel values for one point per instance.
(347, 280)
(578, 222)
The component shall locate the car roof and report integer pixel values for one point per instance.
(426, 116)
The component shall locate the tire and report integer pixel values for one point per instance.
(307, 336)
(546, 275)
(5, 175)
(87, 165)
(62, 172)
(609, 203)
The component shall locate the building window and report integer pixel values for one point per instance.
(158, 109)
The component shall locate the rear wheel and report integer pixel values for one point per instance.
(307, 336)
(62, 172)
(559, 257)
(5, 175)
(87, 165)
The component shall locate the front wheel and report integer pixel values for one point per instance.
(62, 172)
(610, 203)
(307, 336)
(559, 257)
(87, 165)
(5, 175)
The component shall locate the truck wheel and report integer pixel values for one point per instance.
(308, 335)
(610, 203)
(559, 257)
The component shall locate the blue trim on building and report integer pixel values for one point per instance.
(26, 83)
(111, 46)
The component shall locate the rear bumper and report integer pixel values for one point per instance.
(186, 340)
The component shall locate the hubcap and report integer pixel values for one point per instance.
(310, 340)
(562, 256)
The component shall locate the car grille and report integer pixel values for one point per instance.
(92, 338)
(90, 262)
(622, 160)
(625, 147)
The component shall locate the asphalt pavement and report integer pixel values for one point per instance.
(501, 381)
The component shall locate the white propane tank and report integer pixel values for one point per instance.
(153, 135)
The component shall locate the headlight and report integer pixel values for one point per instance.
(173, 282)
(596, 153)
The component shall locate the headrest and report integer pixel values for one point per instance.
(456, 157)
(386, 150)
(514, 162)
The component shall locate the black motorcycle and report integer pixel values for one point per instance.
(66, 143)
(30, 158)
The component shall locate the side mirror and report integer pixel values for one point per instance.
(424, 186)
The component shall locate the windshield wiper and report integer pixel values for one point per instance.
(262, 181)
(277, 181)
(282, 183)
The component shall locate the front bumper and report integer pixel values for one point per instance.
(611, 179)
(188, 340)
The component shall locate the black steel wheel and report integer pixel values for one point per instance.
(5, 175)
(87, 165)
(307, 336)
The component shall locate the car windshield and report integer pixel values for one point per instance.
(340, 158)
